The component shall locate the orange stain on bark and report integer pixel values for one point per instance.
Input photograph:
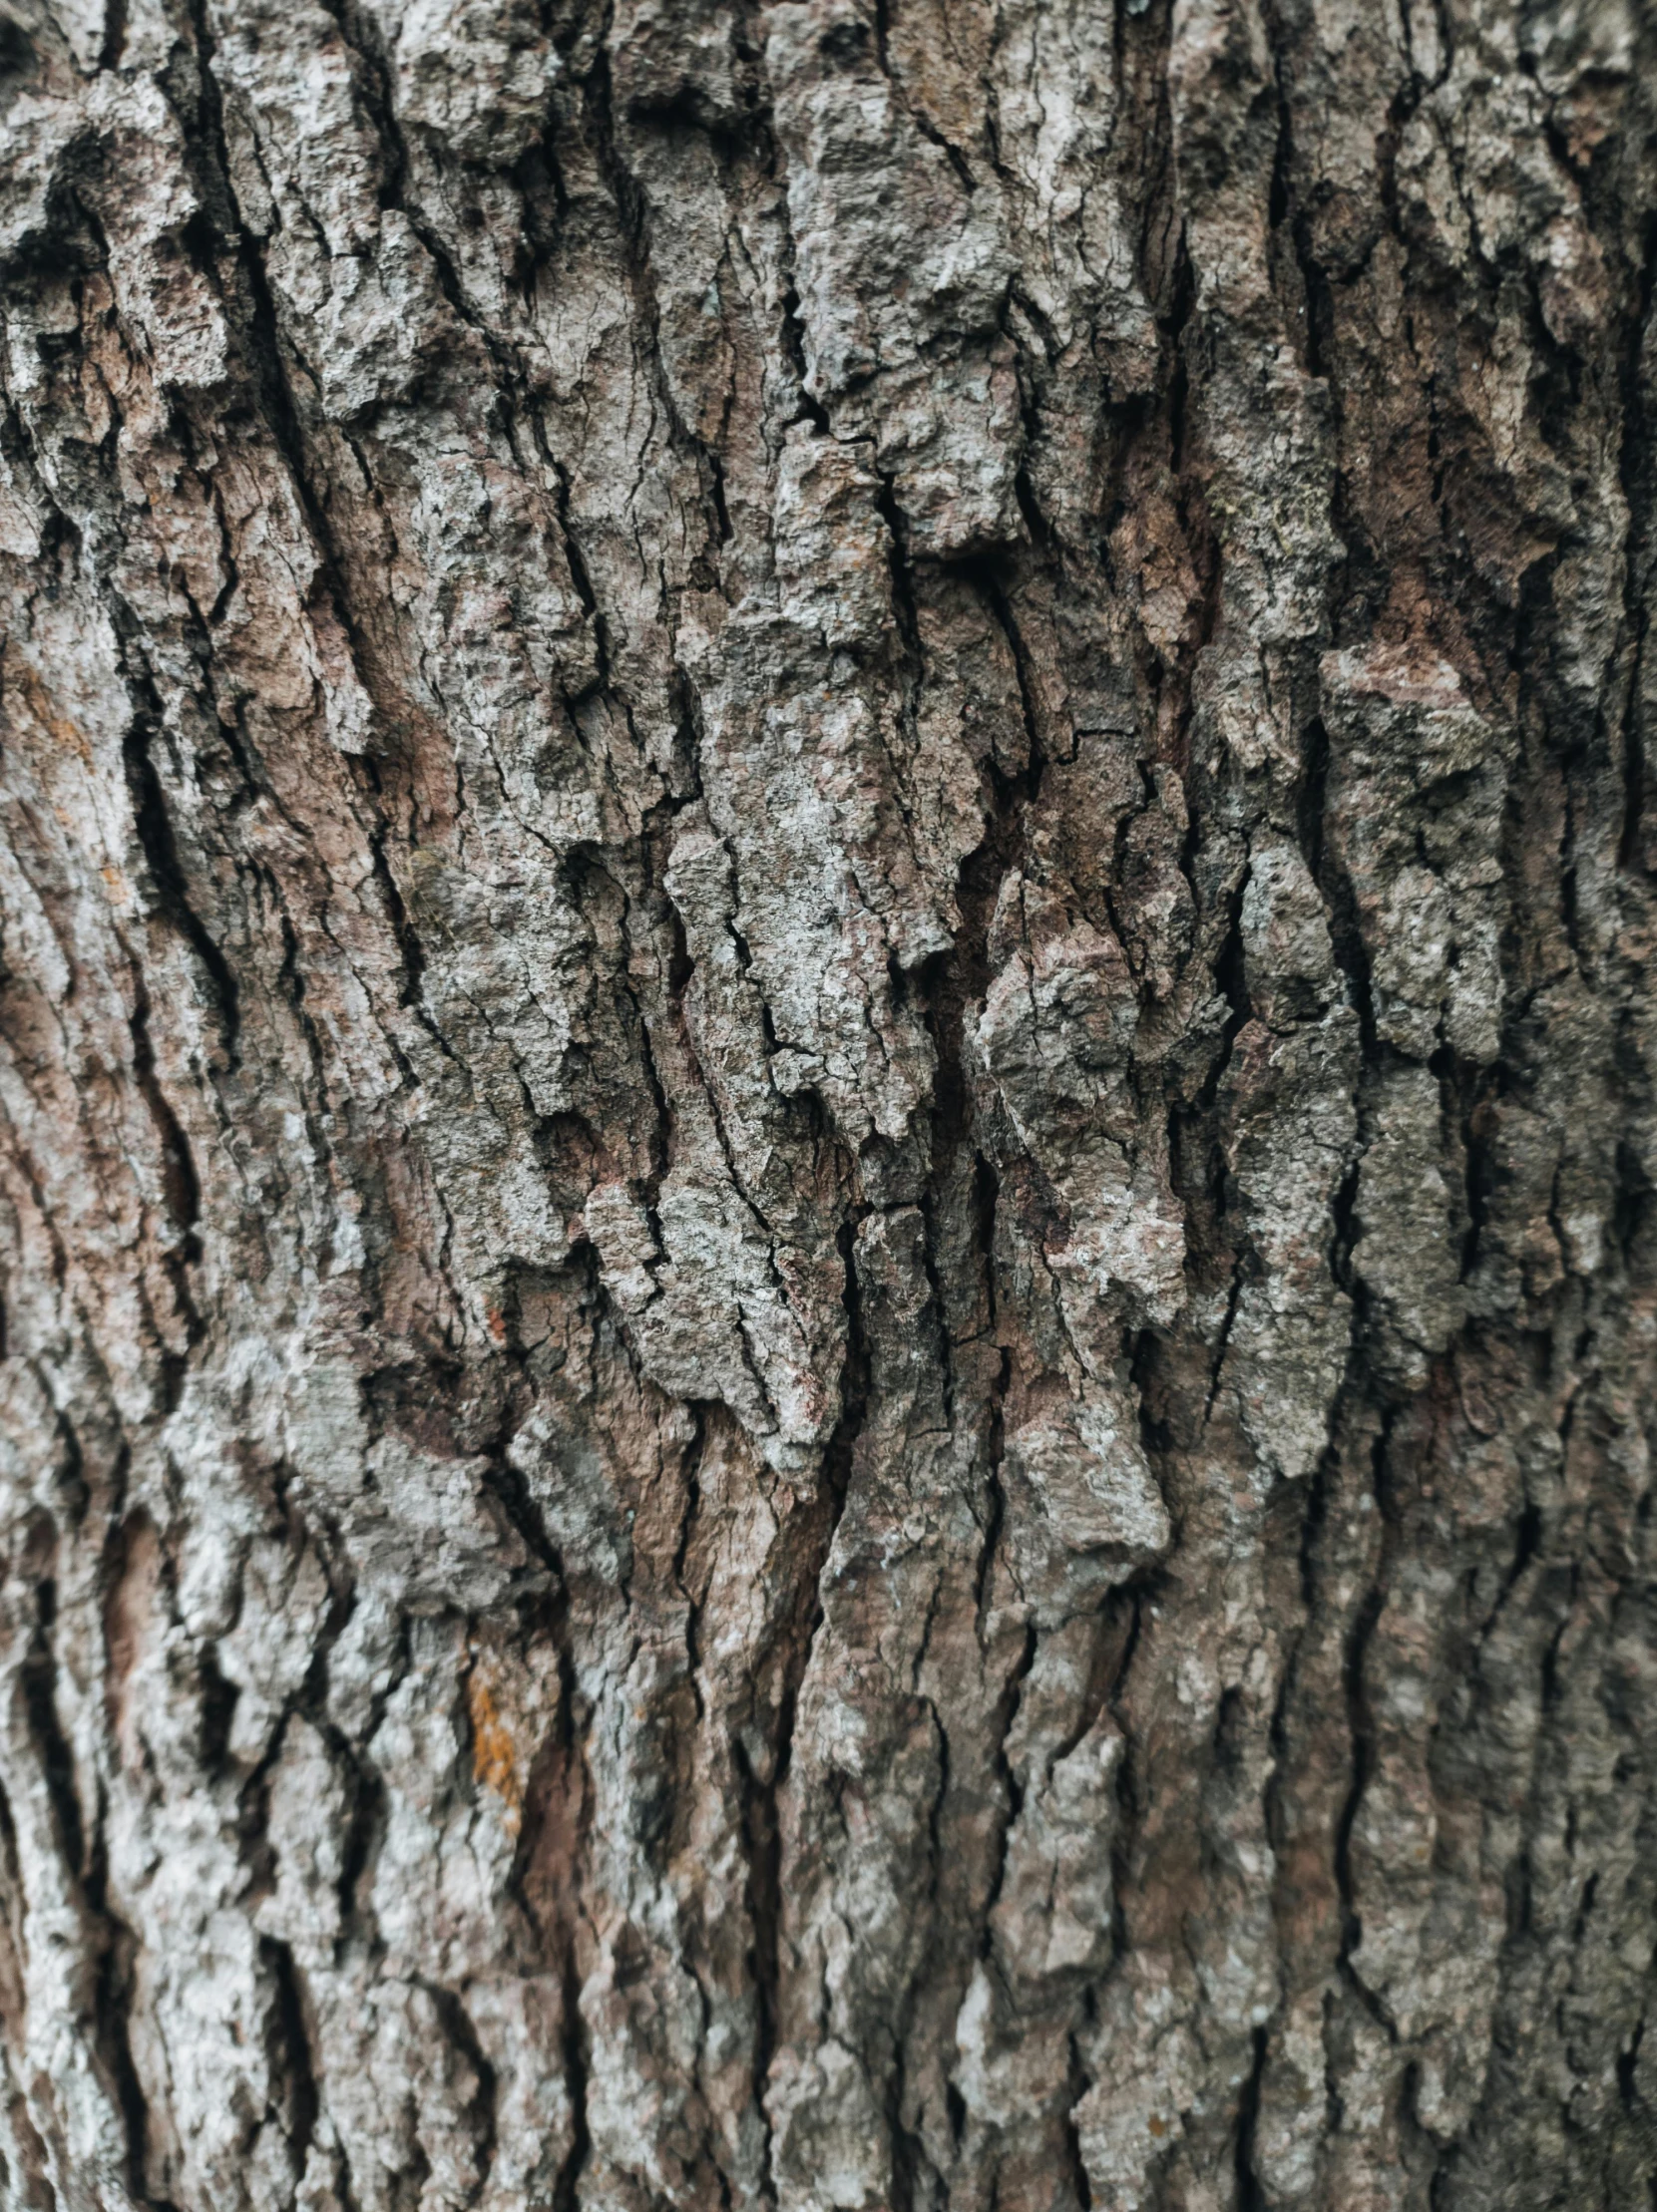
(494, 1756)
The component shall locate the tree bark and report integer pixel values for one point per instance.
(829, 1117)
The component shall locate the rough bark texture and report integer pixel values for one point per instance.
(830, 1100)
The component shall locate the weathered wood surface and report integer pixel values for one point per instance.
(828, 1105)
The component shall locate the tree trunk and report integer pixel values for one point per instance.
(830, 1102)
